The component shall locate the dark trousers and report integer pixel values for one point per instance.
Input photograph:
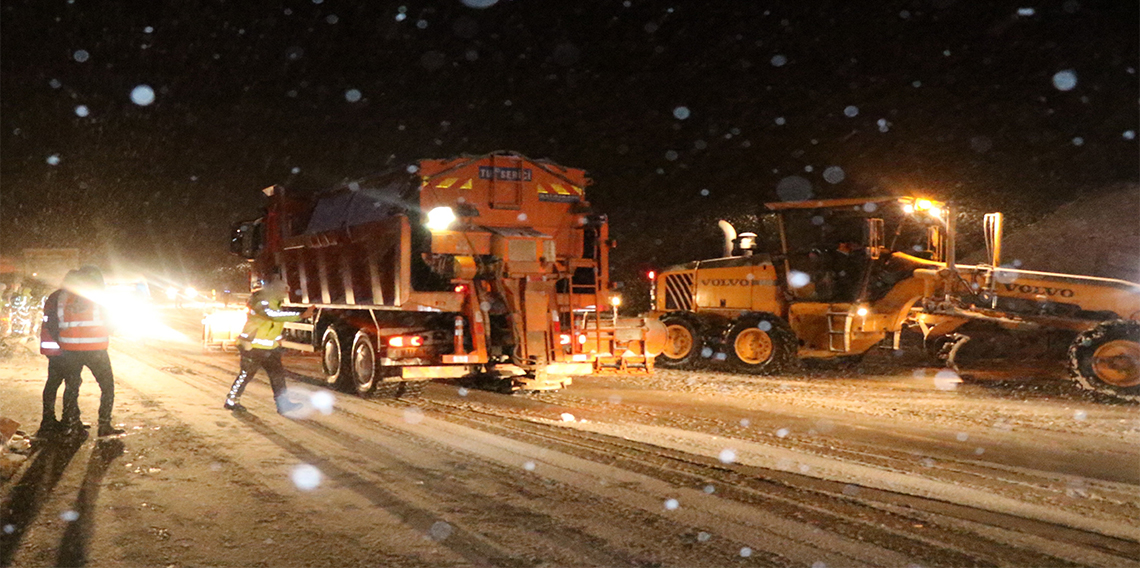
(72, 363)
(251, 361)
(57, 375)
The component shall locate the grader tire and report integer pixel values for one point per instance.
(683, 343)
(761, 344)
(1106, 359)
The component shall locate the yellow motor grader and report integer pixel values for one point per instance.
(834, 278)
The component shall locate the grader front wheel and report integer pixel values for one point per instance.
(683, 342)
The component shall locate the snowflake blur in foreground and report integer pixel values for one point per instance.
(529, 466)
(946, 380)
(782, 432)
(710, 489)
(671, 504)
(352, 95)
(81, 111)
(851, 111)
(764, 326)
(1129, 135)
(323, 401)
(1065, 80)
(703, 536)
(681, 113)
(462, 391)
(779, 60)
(9, 529)
(567, 417)
(306, 477)
(797, 279)
(479, 4)
(439, 531)
(780, 121)
(53, 160)
(81, 55)
(745, 552)
(413, 415)
(69, 516)
(142, 95)
(727, 455)
(834, 174)
(1080, 415)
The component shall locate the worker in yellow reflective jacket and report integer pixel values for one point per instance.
(260, 344)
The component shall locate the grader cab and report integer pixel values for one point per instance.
(819, 279)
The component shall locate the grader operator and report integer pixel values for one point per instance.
(834, 278)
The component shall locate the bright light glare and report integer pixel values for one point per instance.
(224, 324)
(133, 317)
(936, 211)
(908, 208)
(440, 218)
(862, 311)
(172, 293)
(190, 292)
(923, 204)
(615, 301)
(306, 477)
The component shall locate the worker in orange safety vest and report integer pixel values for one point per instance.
(49, 347)
(260, 344)
(84, 335)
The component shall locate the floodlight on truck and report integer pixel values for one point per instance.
(440, 218)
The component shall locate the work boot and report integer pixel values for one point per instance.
(287, 407)
(106, 429)
(234, 406)
(50, 427)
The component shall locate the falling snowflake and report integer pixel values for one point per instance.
(851, 111)
(671, 504)
(779, 60)
(142, 95)
(81, 55)
(53, 160)
(727, 455)
(681, 113)
(352, 95)
(1065, 80)
(834, 174)
(306, 477)
(797, 279)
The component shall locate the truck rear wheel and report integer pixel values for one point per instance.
(683, 342)
(364, 365)
(1106, 359)
(761, 344)
(334, 360)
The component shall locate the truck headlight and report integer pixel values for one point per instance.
(440, 218)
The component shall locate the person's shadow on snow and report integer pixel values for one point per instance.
(73, 547)
(28, 495)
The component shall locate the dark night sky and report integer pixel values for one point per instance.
(961, 100)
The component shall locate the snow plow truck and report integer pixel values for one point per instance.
(493, 267)
(834, 278)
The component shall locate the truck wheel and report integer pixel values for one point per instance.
(683, 342)
(761, 344)
(1106, 359)
(334, 359)
(364, 366)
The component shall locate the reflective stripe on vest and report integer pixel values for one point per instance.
(81, 325)
(48, 346)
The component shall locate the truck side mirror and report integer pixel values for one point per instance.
(245, 239)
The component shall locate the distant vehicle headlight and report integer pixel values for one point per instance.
(440, 218)
(172, 293)
(190, 292)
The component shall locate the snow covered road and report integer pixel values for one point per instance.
(677, 469)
